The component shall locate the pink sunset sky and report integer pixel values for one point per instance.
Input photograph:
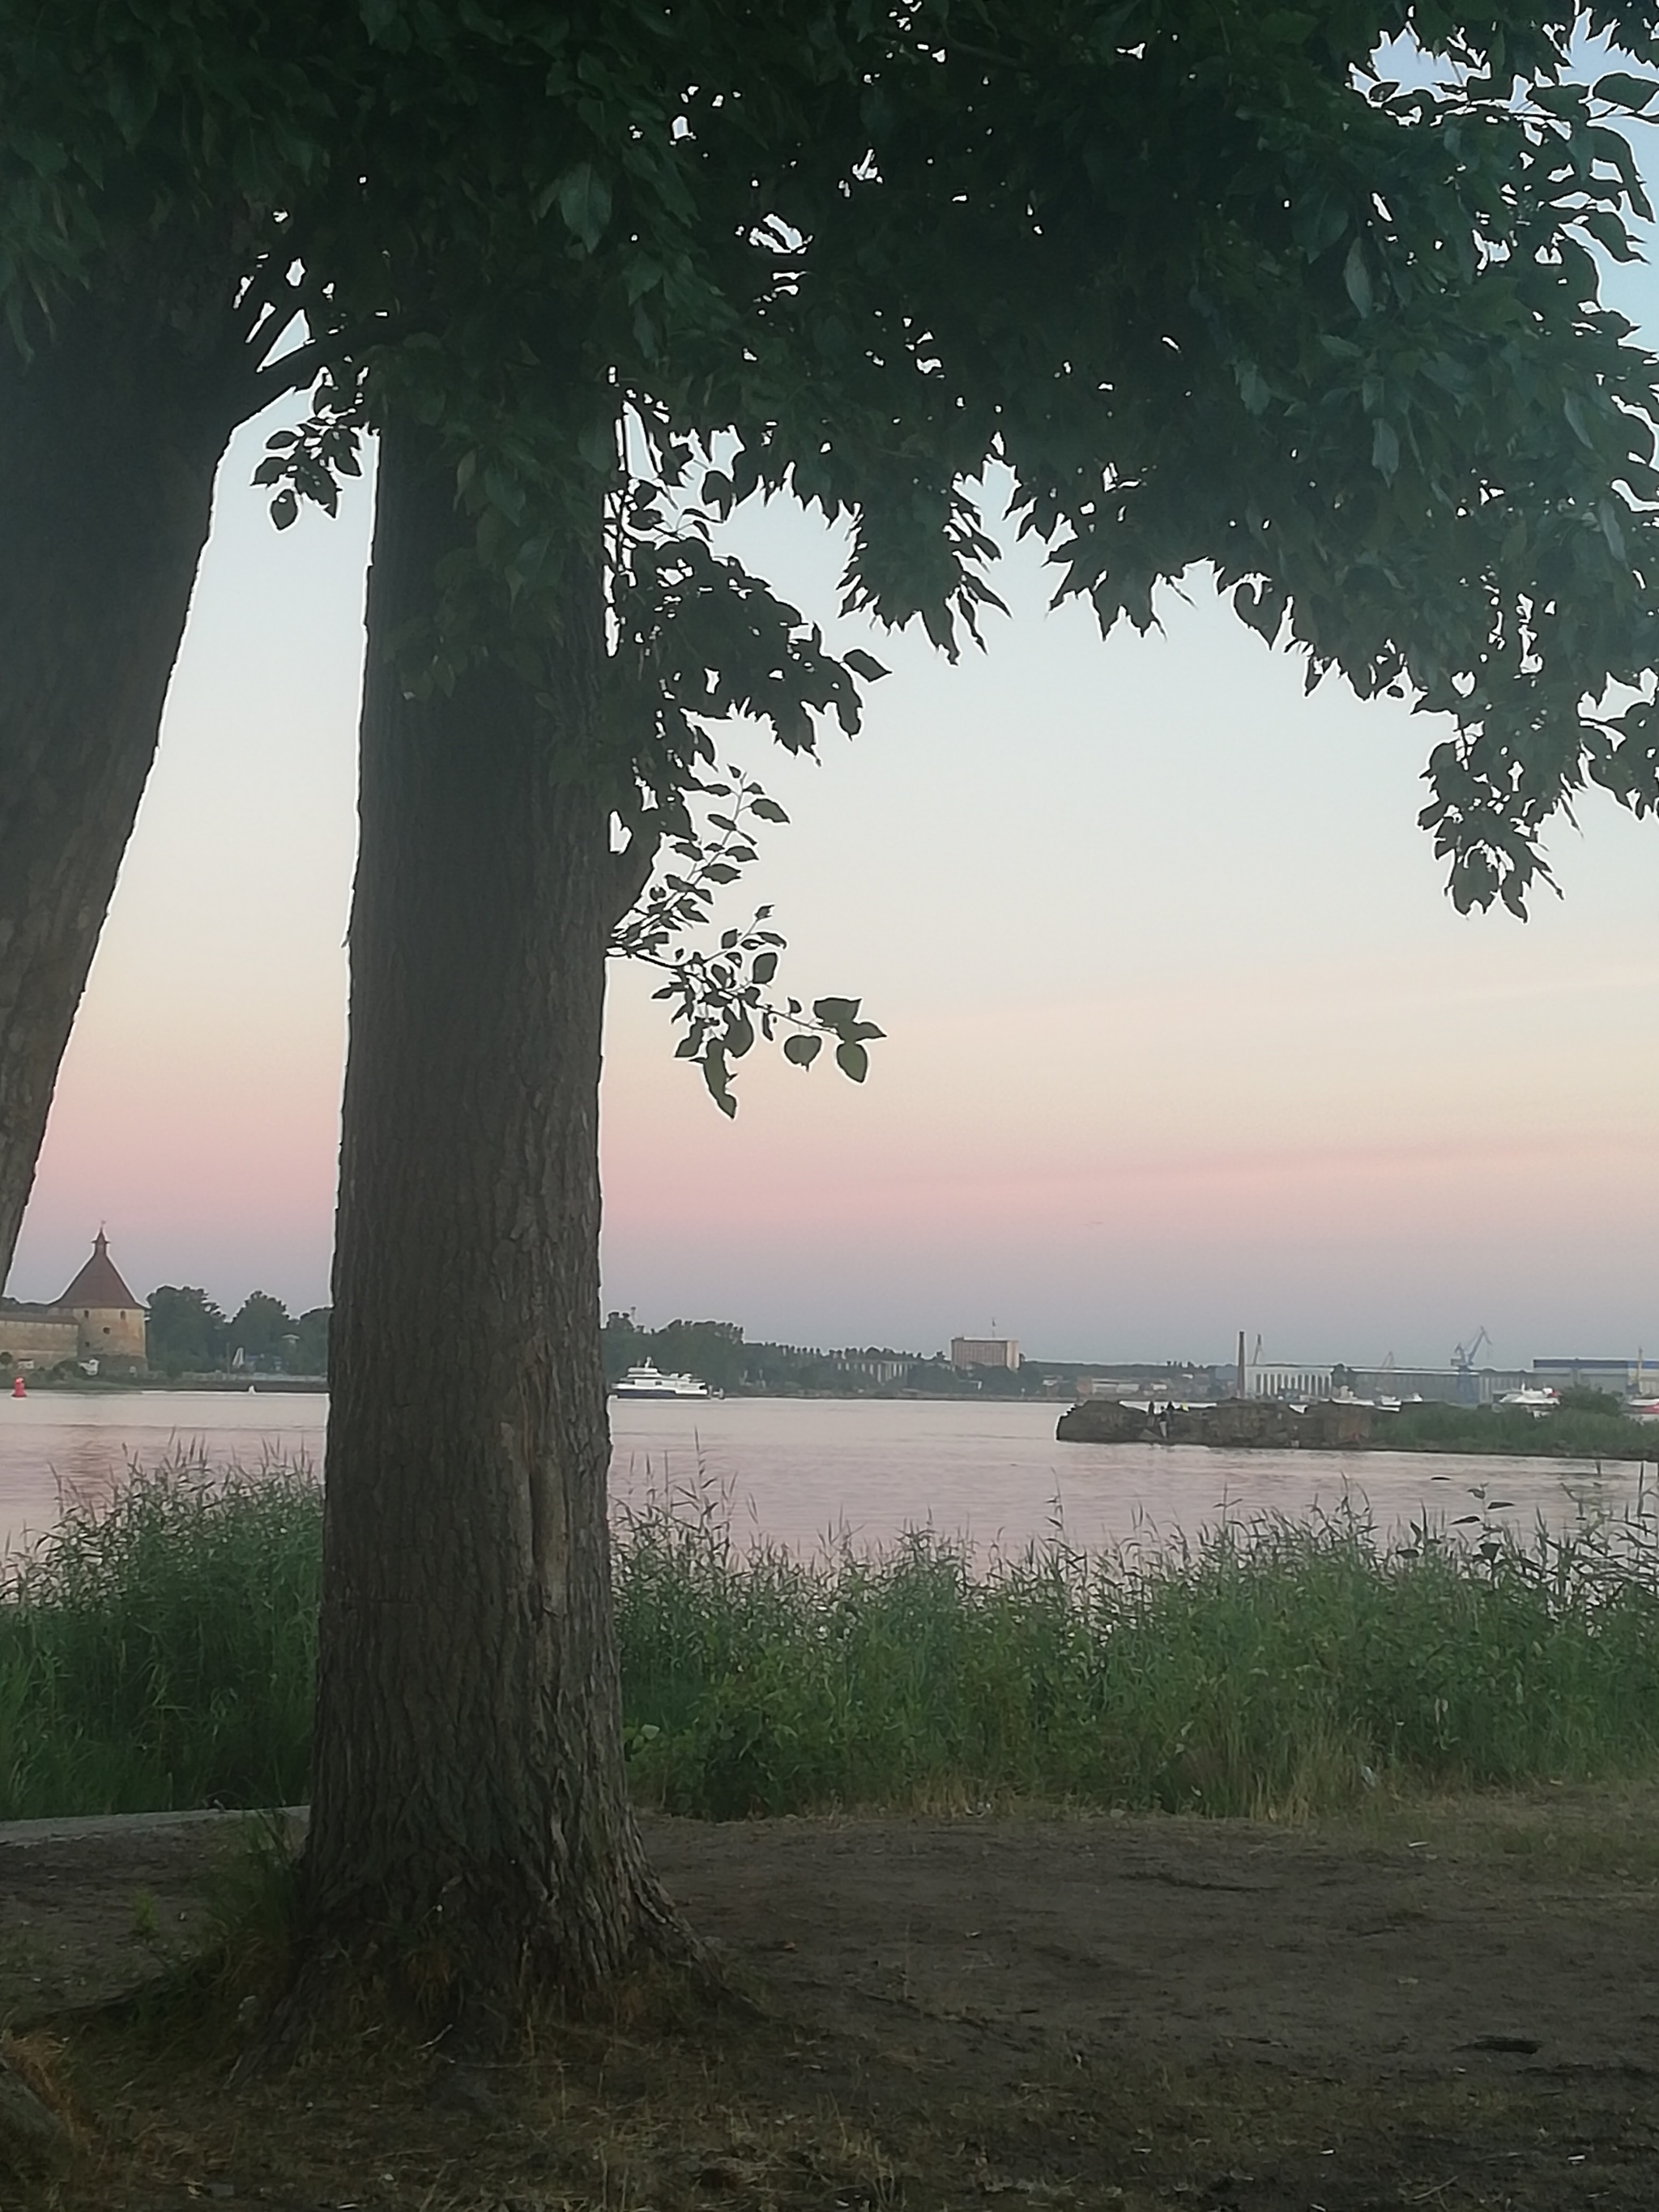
(1183, 1034)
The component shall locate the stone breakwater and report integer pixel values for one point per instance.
(1237, 1424)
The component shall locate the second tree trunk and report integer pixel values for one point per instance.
(110, 436)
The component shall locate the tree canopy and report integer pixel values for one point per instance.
(185, 1332)
(1210, 283)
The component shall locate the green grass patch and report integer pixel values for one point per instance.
(160, 1653)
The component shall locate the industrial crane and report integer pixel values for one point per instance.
(1463, 1360)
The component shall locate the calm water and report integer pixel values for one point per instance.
(802, 1470)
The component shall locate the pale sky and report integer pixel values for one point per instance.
(1183, 1035)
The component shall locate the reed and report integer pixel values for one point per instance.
(1273, 1668)
(159, 1652)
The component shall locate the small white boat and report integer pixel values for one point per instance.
(1535, 1402)
(648, 1381)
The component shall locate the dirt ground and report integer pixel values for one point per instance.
(1446, 2006)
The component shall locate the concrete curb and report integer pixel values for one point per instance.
(293, 1817)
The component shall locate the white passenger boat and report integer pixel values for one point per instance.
(648, 1381)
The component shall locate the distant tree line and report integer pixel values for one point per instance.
(717, 1352)
(188, 1334)
(713, 1349)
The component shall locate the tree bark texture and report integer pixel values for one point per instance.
(110, 437)
(470, 1811)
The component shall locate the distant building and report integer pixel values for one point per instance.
(1444, 1386)
(110, 1321)
(883, 1368)
(1617, 1377)
(1286, 1378)
(97, 1318)
(984, 1351)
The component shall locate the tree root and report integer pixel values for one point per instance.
(476, 2000)
(33, 2136)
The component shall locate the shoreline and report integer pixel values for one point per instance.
(1253, 1428)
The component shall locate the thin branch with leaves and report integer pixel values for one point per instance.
(694, 640)
(721, 994)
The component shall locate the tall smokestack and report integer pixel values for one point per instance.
(1241, 1391)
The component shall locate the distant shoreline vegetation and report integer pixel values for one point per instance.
(1584, 1424)
(188, 1335)
(158, 1653)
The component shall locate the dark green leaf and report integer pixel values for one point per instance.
(865, 664)
(1253, 388)
(1355, 278)
(1620, 90)
(716, 1076)
(584, 202)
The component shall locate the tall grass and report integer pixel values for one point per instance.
(1281, 1667)
(160, 1652)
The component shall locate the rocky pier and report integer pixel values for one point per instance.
(1239, 1423)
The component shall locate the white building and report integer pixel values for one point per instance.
(1291, 1378)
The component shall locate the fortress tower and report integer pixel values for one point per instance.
(109, 1321)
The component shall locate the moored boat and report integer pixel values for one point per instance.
(648, 1382)
(1535, 1402)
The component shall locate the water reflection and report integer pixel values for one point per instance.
(62, 1443)
(809, 1473)
(803, 1472)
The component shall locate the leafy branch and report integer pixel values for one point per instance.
(307, 463)
(694, 640)
(721, 994)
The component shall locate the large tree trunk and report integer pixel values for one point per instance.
(470, 1814)
(109, 441)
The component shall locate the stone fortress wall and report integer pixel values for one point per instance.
(37, 1337)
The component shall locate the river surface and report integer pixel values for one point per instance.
(804, 1472)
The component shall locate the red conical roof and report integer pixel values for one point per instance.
(99, 1282)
